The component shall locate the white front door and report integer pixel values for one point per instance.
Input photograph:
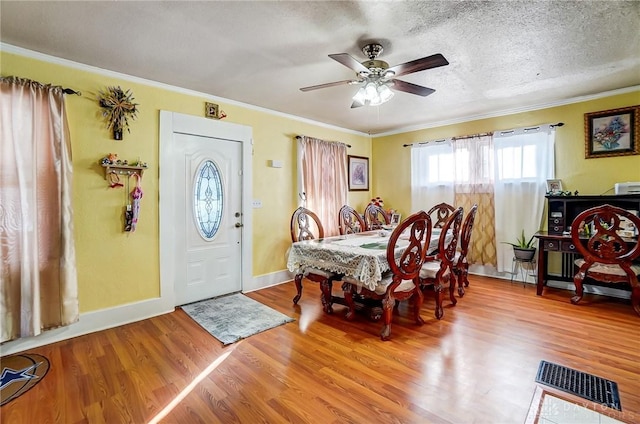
(208, 217)
(205, 235)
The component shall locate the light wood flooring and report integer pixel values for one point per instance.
(476, 365)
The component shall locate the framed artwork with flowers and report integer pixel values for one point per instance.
(613, 132)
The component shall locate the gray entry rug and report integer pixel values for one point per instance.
(233, 317)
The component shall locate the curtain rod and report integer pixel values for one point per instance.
(298, 137)
(20, 80)
(525, 129)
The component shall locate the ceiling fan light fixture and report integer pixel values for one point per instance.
(374, 93)
(385, 93)
(370, 91)
(360, 98)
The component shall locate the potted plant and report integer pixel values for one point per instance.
(523, 249)
(117, 107)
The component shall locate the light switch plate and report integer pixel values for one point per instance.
(257, 203)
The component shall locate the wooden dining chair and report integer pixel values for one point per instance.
(303, 224)
(460, 263)
(401, 281)
(598, 234)
(375, 217)
(437, 270)
(440, 213)
(350, 221)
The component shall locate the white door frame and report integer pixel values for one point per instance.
(173, 122)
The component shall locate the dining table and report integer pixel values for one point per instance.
(361, 256)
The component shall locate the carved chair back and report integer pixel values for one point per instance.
(350, 221)
(440, 213)
(467, 227)
(375, 217)
(417, 228)
(303, 224)
(597, 234)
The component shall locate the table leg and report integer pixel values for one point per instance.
(326, 286)
(348, 299)
(298, 280)
(542, 269)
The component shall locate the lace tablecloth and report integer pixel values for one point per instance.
(361, 256)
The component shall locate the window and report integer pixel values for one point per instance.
(208, 199)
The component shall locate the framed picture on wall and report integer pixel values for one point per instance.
(613, 132)
(358, 167)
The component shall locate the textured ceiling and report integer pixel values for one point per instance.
(504, 56)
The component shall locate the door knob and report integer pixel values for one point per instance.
(238, 225)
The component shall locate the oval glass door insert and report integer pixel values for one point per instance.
(208, 199)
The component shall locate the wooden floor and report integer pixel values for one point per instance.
(477, 365)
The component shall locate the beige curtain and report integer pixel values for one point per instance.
(323, 179)
(474, 184)
(38, 271)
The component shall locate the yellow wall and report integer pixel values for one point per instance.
(116, 268)
(588, 176)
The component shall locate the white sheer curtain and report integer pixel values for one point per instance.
(524, 160)
(432, 174)
(38, 270)
(323, 179)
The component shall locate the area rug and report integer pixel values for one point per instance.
(20, 373)
(234, 317)
(587, 386)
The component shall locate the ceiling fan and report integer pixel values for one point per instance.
(377, 78)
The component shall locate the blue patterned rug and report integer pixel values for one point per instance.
(234, 317)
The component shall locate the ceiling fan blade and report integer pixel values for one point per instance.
(350, 62)
(329, 84)
(356, 104)
(417, 65)
(408, 87)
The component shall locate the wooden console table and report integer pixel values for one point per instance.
(554, 243)
(561, 212)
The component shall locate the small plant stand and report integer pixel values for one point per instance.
(523, 268)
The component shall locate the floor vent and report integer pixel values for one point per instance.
(587, 386)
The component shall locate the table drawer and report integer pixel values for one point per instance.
(552, 245)
(568, 246)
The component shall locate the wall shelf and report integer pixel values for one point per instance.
(122, 170)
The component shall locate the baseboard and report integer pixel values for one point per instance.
(269, 280)
(489, 271)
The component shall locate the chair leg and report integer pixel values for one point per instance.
(577, 281)
(439, 297)
(298, 281)
(417, 304)
(635, 299)
(460, 277)
(466, 274)
(452, 288)
(387, 315)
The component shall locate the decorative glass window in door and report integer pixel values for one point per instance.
(208, 199)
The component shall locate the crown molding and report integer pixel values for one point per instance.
(112, 74)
